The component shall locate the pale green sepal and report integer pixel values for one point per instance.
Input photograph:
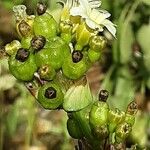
(77, 98)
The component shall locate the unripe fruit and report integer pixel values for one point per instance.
(45, 25)
(53, 54)
(50, 96)
(22, 65)
(97, 43)
(75, 65)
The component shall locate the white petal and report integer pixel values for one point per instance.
(91, 24)
(105, 13)
(96, 16)
(94, 3)
(110, 26)
(77, 11)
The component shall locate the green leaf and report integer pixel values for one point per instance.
(124, 90)
(77, 98)
(144, 41)
(147, 2)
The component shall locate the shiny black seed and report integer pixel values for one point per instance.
(50, 93)
(38, 42)
(22, 54)
(41, 8)
(77, 56)
(103, 95)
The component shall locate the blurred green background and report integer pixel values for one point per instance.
(124, 70)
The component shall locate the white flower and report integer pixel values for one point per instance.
(94, 18)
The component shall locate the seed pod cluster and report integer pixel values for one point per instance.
(97, 121)
(48, 51)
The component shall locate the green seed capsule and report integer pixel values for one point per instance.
(22, 65)
(45, 25)
(76, 65)
(98, 119)
(73, 129)
(53, 54)
(46, 72)
(93, 55)
(50, 96)
(97, 43)
(122, 132)
(115, 117)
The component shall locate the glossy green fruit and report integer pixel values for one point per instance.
(98, 119)
(22, 65)
(53, 54)
(75, 68)
(50, 96)
(45, 25)
(74, 129)
(93, 55)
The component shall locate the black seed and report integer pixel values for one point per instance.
(77, 56)
(22, 54)
(38, 42)
(50, 93)
(41, 8)
(103, 95)
(24, 28)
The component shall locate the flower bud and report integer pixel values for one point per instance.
(46, 72)
(122, 132)
(66, 27)
(83, 35)
(97, 43)
(12, 47)
(115, 117)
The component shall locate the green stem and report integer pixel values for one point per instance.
(30, 120)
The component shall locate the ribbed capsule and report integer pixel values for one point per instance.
(122, 132)
(97, 43)
(115, 117)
